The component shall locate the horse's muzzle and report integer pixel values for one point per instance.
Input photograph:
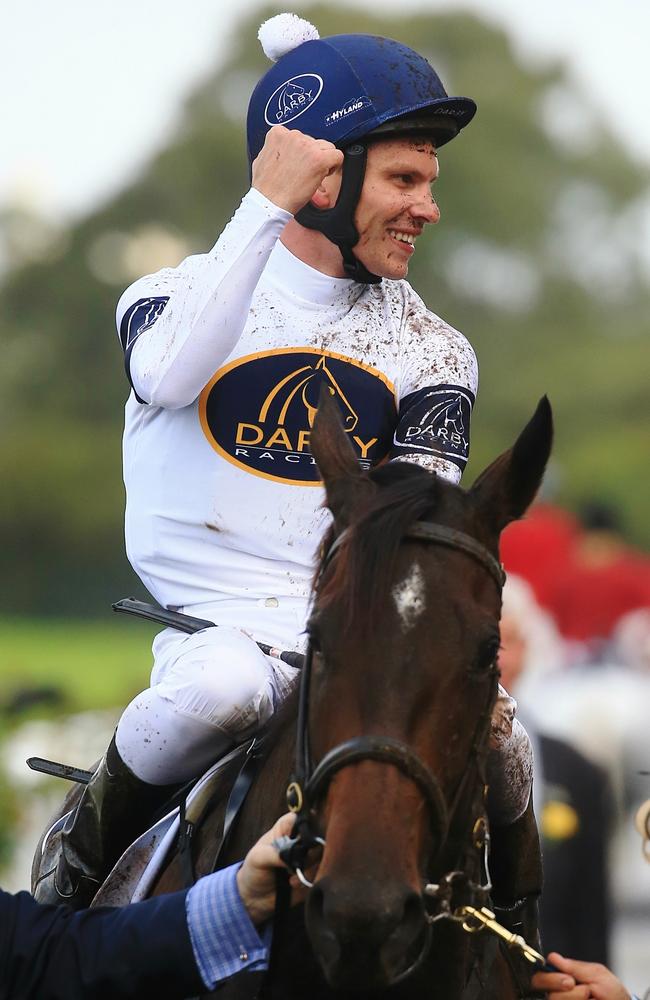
(365, 941)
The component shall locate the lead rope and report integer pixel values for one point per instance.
(280, 911)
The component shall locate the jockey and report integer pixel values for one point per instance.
(226, 355)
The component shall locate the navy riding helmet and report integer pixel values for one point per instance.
(349, 88)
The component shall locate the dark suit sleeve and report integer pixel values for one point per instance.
(50, 953)
(575, 904)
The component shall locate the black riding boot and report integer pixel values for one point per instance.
(115, 808)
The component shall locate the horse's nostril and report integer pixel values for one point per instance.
(372, 916)
(365, 938)
(326, 944)
(405, 944)
(315, 902)
(413, 910)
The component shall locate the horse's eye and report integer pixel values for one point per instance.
(486, 655)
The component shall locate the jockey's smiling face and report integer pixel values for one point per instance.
(396, 204)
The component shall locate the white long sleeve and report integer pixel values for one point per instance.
(209, 297)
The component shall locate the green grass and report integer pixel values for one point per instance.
(94, 664)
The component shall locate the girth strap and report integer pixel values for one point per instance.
(243, 782)
(185, 836)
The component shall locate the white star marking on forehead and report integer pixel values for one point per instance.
(409, 597)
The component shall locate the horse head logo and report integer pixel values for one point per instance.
(301, 388)
(292, 97)
(447, 414)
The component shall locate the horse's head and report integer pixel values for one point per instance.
(405, 634)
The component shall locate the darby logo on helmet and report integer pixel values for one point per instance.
(292, 98)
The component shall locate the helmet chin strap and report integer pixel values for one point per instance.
(337, 223)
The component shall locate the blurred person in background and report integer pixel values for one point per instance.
(572, 796)
(603, 579)
(538, 547)
(630, 641)
(581, 571)
(227, 354)
(578, 980)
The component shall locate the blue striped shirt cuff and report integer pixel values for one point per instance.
(223, 938)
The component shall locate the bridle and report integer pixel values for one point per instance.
(309, 783)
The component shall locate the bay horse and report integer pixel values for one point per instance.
(404, 637)
(402, 672)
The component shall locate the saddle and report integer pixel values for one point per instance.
(134, 874)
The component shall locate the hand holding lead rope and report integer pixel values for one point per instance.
(474, 920)
(296, 855)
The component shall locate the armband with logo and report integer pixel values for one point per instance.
(435, 421)
(139, 317)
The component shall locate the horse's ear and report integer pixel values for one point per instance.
(505, 489)
(338, 465)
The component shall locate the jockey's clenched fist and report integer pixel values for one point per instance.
(291, 167)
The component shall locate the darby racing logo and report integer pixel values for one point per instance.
(258, 411)
(436, 421)
(347, 109)
(292, 98)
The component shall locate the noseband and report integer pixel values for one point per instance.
(309, 783)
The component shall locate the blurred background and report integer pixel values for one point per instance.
(123, 151)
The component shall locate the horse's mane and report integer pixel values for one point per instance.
(363, 567)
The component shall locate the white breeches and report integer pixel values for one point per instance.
(208, 691)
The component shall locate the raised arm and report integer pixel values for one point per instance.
(179, 325)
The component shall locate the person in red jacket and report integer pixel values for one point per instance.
(602, 581)
(538, 548)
